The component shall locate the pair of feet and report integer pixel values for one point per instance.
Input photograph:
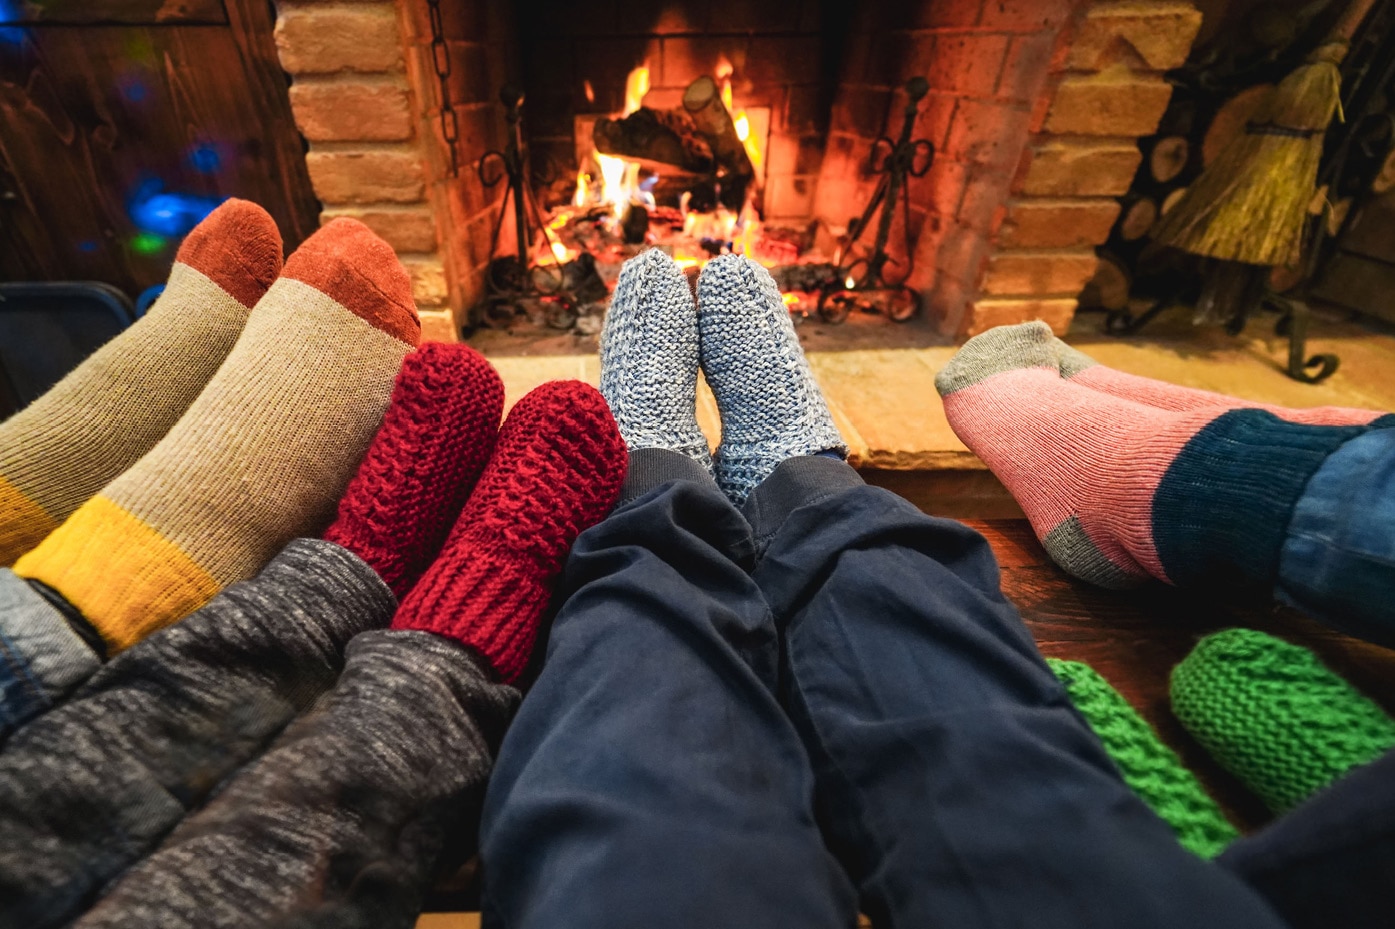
(1126, 478)
(740, 333)
(469, 523)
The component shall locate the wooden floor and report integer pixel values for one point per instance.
(1134, 639)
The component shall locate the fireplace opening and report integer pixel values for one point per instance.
(911, 171)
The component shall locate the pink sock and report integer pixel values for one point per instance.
(1119, 491)
(1084, 370)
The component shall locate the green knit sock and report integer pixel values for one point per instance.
(1274, 716)
(1150, 768)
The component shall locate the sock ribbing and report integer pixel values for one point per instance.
(96, 422)
(557, 469)
(436, 438)
(1274, 716)
(261, 457)
(1151, 769)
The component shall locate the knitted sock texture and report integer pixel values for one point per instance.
(771, 408)
(63, 448)
(1274, 716)
(1119, 491)
(261, 457)
(557, 470)
(436, 437)
(649, 358)
(1151, 769)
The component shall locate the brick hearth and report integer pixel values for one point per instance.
(1035, 107)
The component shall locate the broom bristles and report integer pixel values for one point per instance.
(1250, 204)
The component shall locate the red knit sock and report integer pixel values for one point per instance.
(557, 469)
(436, 437)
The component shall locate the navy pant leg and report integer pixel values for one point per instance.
(1330, 860)
(651, 777)
(957, 783)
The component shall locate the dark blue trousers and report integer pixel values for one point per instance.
(821, 704)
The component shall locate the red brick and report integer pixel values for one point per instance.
(347, 110)
(1058, 223)
(1024, 72)
(406, 229)
(688, 58)
(1150, 34)
(933, 120)
(1079, 169)
(968, 64)
(392, 176)
(1039, 274)
(928, 14)
(321, 40)
(790, 197)
(985, 314)
(981, 207)
(987, 133)
(1025, 15)
(1113, 104)
(782, 60)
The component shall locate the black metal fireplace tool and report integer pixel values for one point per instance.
(895, 162)
(512, 282)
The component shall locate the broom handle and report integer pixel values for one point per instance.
(1350, 21)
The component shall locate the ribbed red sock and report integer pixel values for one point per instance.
(556, 470)
(436, 437)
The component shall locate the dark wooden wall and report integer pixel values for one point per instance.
(101, 99)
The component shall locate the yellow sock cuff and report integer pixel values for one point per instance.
(23, 523)
(122, 575)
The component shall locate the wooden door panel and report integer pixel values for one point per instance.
(135, 12)
(93, 117)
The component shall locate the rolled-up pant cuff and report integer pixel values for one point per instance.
(795, 482)
(654, 467)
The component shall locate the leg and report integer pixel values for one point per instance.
(957, 783)
(95, 784)
(651, 777)
(1329, 861)
(344, 821)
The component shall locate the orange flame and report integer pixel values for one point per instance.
(636, 86)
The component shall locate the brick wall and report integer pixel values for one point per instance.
(1034, 109)
(365, 96)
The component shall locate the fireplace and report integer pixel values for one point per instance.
(1032, 109)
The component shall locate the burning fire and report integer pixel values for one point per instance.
(636, 86)
(739, 120)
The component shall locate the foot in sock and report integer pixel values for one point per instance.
(1014, 344)
(261, 457)
(649, 358)
(62, 449)
(557, 469)
(771, 408)
(1119, 491)
(436, 438)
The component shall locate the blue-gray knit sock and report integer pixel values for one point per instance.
(771, 408)
(649, 358)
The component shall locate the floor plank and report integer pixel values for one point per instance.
(1133, 639)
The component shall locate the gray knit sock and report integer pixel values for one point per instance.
(649, 358)
(771, 408)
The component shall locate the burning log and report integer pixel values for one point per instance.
(666, 137)
(703, 101)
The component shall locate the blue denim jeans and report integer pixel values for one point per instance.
(1338, 561)
(822, 703)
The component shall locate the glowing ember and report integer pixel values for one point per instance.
(583, 189)
(590, 91)
(790, 299)
(850, 283)
(562, 253)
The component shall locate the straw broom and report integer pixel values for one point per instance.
(1250, 204)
